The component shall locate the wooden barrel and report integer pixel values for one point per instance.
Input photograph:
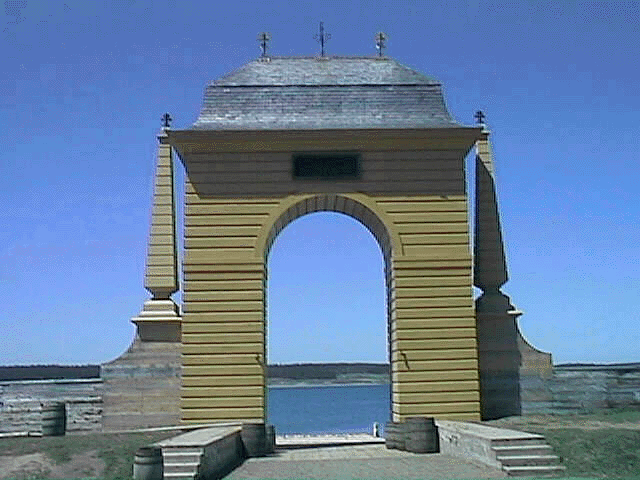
(254, 439)
(421, 435)
(391, 435)
(54, 419)
(148, 464)
(270, 435)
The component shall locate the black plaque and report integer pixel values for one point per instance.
(326, 165)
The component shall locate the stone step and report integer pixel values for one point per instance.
(511, 442)
(171, 450)
(182, 467)
(528, 460)
(179, 457)
(178, 476)
(535, 471)
(519, 450)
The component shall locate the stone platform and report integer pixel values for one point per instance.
(205, 453)
(514, 452)
(325, 440)
(357, 461)
(467, 450)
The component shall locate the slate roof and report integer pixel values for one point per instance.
(304, 93)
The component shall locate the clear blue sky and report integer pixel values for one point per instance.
(84, 84)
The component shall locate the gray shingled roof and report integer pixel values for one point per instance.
(323, 93)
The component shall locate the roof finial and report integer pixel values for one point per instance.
(322, 37)
(264, 38)
(479, 116)
(381, 42)
(166, 120)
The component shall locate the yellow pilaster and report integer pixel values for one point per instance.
(161, 275)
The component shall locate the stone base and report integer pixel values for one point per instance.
(159, 321)
(142, 386)
(499, 364)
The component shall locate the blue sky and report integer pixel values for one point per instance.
(84, 84)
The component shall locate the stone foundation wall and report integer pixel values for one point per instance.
(581, 388)
(142, 387)
(21, 404)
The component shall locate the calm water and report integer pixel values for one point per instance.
(324, 409)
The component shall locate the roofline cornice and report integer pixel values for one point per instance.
(323, 85)
(221, 141)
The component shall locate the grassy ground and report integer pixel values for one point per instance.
(598, 444)
(116, 450)
(607, 453)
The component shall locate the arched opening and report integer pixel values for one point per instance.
(326, 302)
(333, 269)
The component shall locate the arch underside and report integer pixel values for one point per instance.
(334, 203)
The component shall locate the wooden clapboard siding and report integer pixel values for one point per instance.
(212, 349)
(283, 176)
(220, 359)
(223, 328)
(399, 377)
(408, 388)
(230, 401)
(414, 203)
(400, 333)
(433, 336)
(432, 291)
(216, 413)
(223, 220)
(438, 397)
(206, 392)
(222, 370)
(433, 344)
(449, 410)
(429, 282)
(223, 323)
(161, 229)
(242, 174)
(223, 295)
(443, 365)
(227, 284)
(431, 228)
(411, 185)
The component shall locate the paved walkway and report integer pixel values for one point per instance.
(358, 460)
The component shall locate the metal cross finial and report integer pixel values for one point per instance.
(381, 42)
(166, 120)
(264, 38)
(479, 116)
(322, 37)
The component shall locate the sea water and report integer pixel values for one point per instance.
(327, 409)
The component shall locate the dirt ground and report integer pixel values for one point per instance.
(37, 465)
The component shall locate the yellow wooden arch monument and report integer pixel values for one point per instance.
(282, 137)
